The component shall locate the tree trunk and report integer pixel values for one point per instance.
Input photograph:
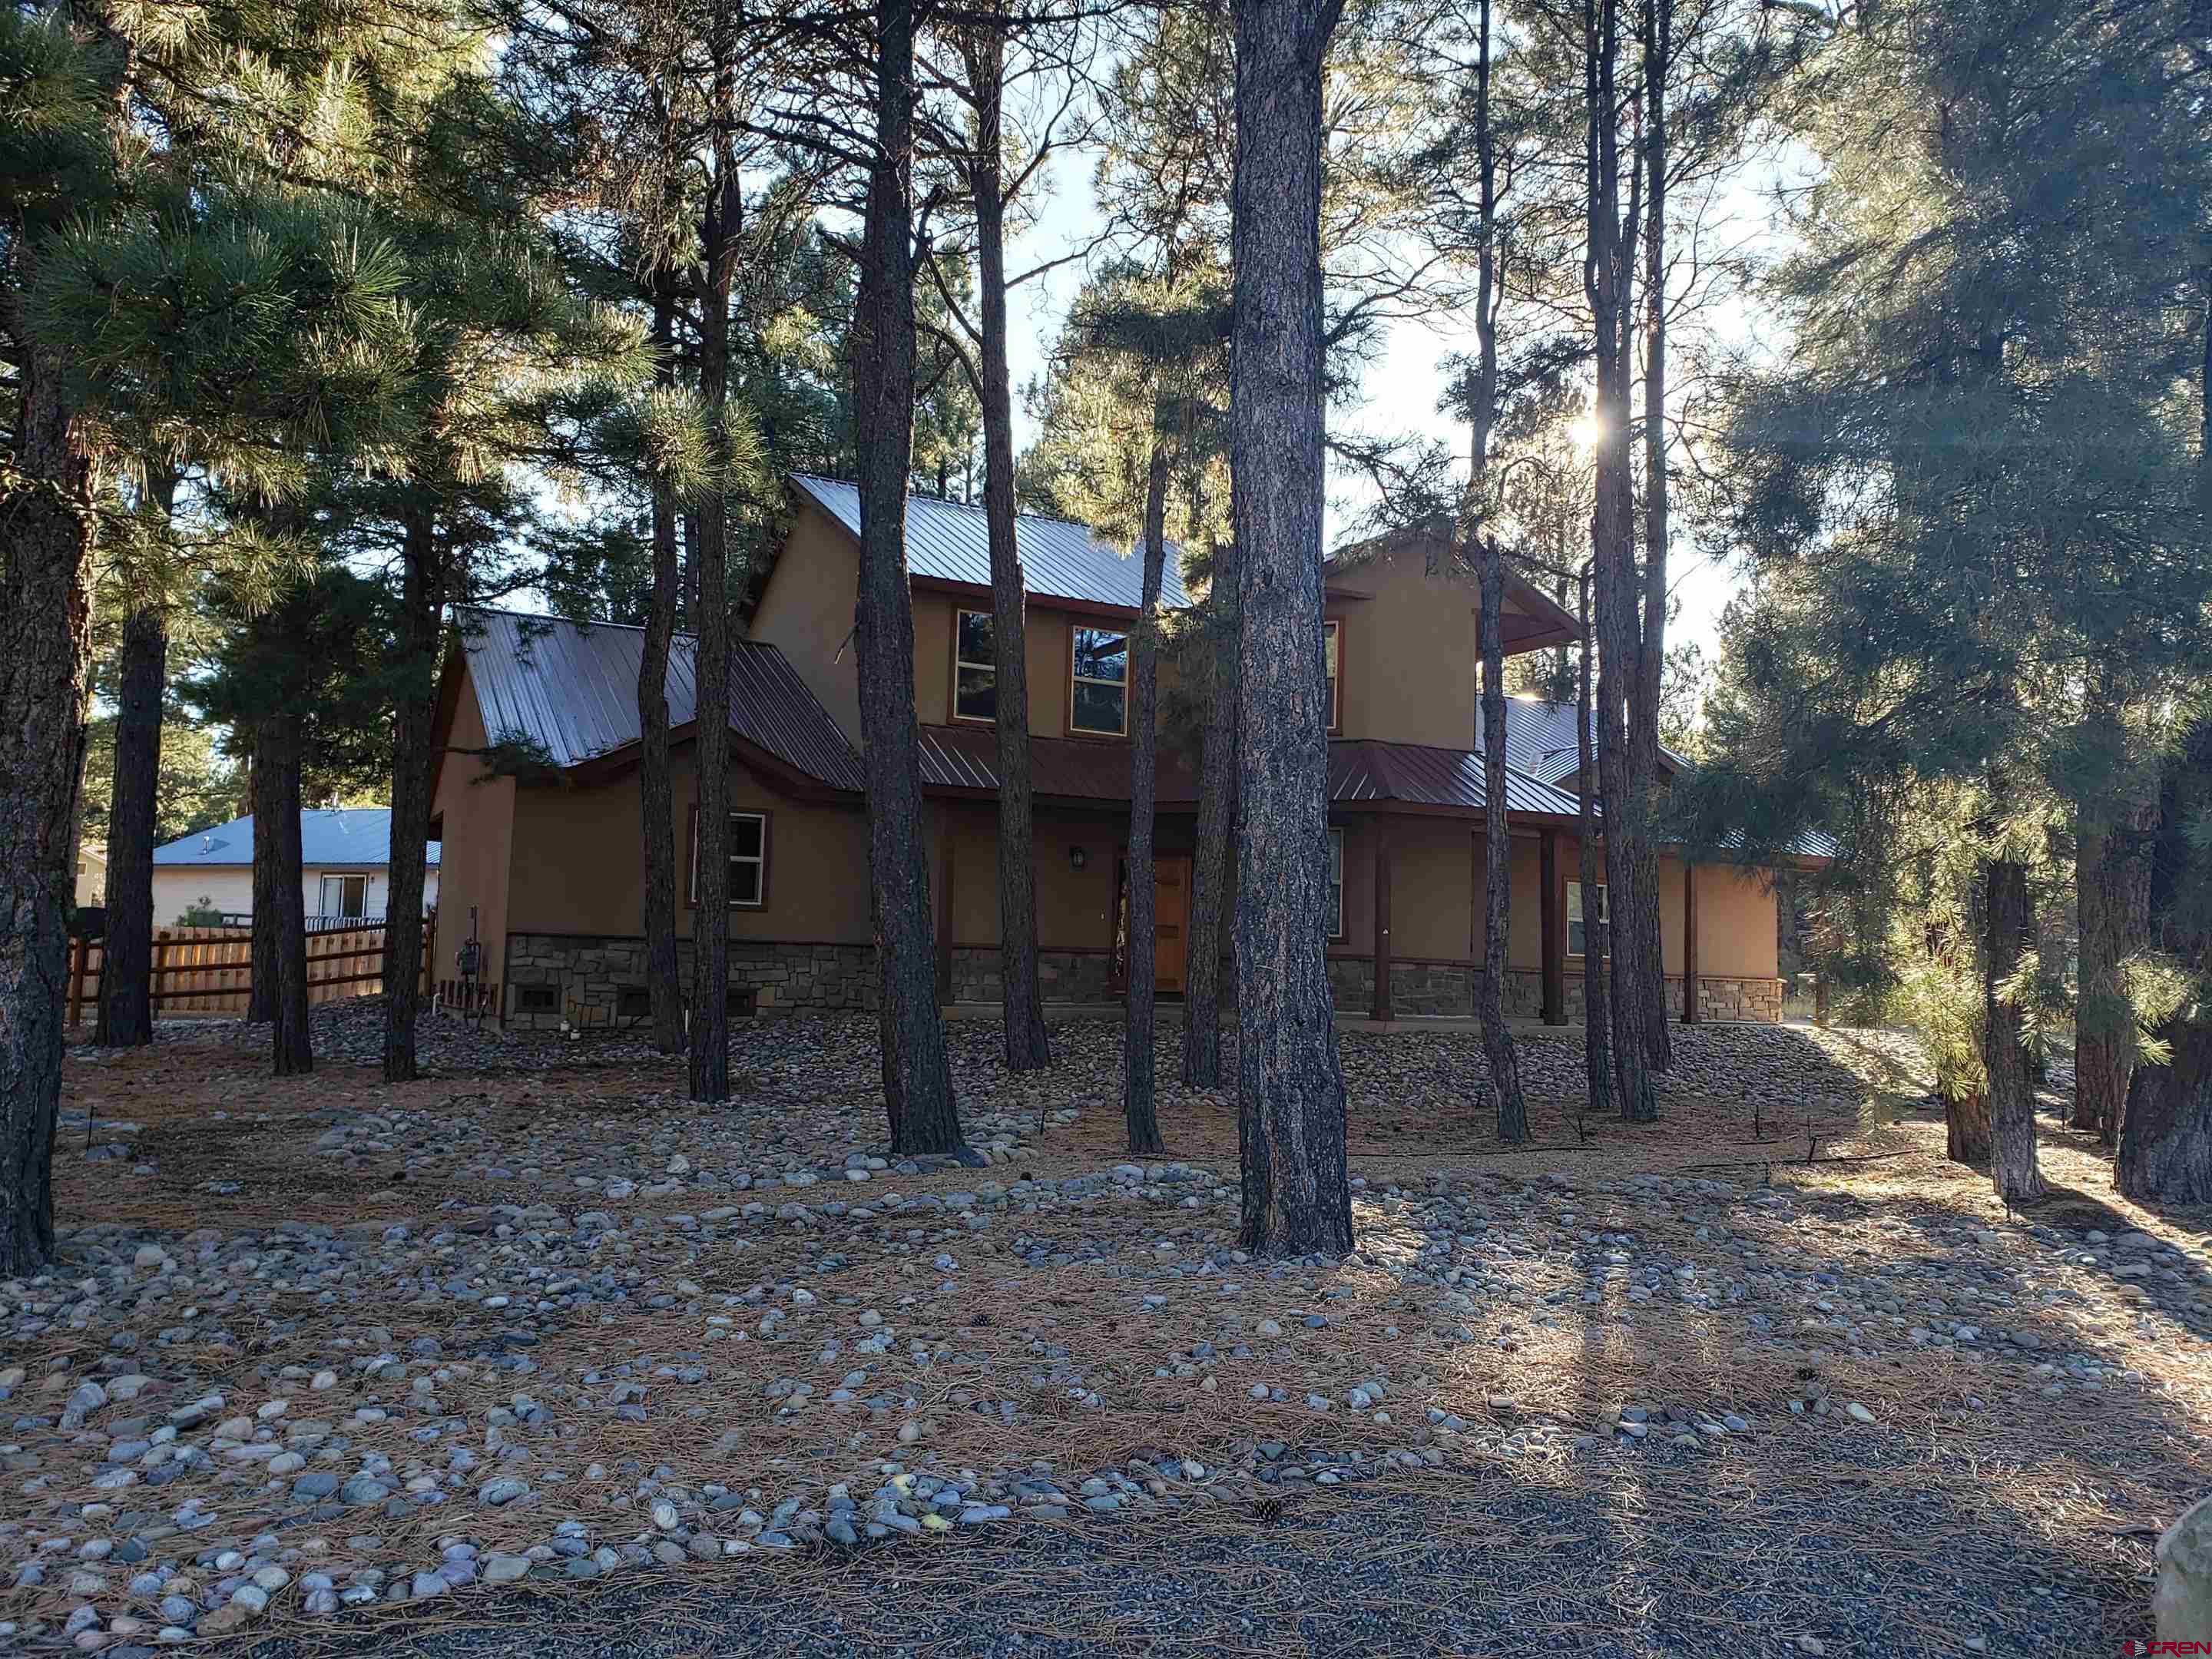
(422, 615)
(1608, 282)
(656, 794)
(1291, 1104)
(126, 971)
(1027, 1047)
(2165, 1137)
(2008, 922)
(1497, 1046)
(46, 621)
(1597, 1048)
(261, 973)
(1967, 1136)
(1658, 26)
(279, 750)
(1138, 1105)
(710, 920)
(917, 1079)
(1217, 815)
(2112, 885)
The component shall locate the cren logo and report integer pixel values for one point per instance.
(2135, 1647)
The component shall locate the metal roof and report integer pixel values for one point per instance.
(1417, 774)
(572, 688)
(356, 837)
(1539, 740)
(947, 541)
(1072, 768)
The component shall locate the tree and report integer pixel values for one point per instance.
(1290, 1100)
(1138, 1103)
(917, 1077)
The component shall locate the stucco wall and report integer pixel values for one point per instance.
(807, 611)
(478, 831)
(1436, 891)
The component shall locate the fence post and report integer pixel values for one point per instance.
(79, 949)
(1821, 1001)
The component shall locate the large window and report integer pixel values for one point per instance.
(1332, 639)
(1098, 699)
(344, 898)
(1336, 884)
(1585, 922)
(748, 859)
(974, 667)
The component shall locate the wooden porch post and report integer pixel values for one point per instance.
(79, 949)
(944, 903)
(1380, 826)
(1551, 906)
(1689, 942)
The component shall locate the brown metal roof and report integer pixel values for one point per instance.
(1062, 769)
(572, 688)
(1416, 775)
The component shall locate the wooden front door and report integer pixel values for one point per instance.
(1170, 919)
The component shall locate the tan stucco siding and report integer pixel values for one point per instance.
(474, 861)
(1736, 935)
(807, 611)
(578, 864)
(1436, 891)
(1074, 908)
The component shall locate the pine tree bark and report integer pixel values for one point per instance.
(1607, 282)
(656, 792)
(1497, 1045)
(127, 965)
(710, 920)
(1597, 1018)
(2112, 888)
(1217, 817)
(46, 624)
(917, 1079)
(1291, 1102)
(2008, 922)
(422, 616)
(261, 972)
(1657, 17)
(1139, 1105)
(279, 754)
(1028, 1047)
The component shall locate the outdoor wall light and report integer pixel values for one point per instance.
(1077, 858)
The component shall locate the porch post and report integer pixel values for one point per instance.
(1689, 942)
(1380, 826)
(944, 903)
(1551, 906)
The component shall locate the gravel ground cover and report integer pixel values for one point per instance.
(328, 1361)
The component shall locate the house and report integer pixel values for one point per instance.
(345, 868)
(543, 866)
(91, 874)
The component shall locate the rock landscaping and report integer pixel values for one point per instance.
(323, 1350)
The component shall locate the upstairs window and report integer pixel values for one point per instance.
(1585, 922)
(748, 859)
(1332, 642)
(974, 667)
(1098, 695)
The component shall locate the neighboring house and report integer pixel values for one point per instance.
(543, 866)
(91, 874)
(345, 867)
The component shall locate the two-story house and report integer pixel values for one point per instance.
(543, 866)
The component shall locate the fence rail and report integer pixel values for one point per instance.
(209, 970)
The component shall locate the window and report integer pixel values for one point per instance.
(345, 898)
(1332, 638)
(1336, 884)
(1098, 702)
(632, 1002)
(1578, 926)
(748, 859)
(974, 667)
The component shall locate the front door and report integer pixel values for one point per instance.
(1170, 921)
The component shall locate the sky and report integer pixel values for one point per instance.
(1402, 388)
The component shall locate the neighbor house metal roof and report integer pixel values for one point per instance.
(946, 541)
(1539, 740)
(571, 688)
(354, 837)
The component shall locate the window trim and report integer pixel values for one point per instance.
(1336, 852)
(952, 689)
(1333, 624)
(691, 857)
(1569, 904)
(341, 877)
(1128, 636)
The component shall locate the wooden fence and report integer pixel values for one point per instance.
(209, 970)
